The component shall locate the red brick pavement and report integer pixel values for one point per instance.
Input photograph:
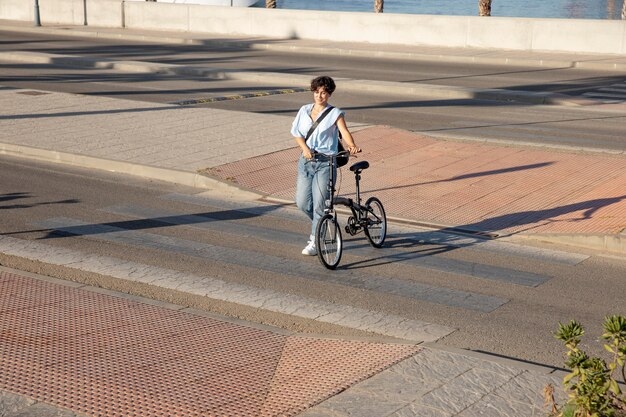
(107, 356)
(476, 186)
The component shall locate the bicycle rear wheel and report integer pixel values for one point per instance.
(376, 224)
(328, 241)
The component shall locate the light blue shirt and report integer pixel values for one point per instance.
(325, 138)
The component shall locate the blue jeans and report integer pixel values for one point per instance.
(312, 189)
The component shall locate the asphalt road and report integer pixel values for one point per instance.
(505, 300)
(465, 119)
(565, 80)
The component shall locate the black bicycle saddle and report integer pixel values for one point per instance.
(359, 166)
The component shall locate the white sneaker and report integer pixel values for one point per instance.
(310, 249)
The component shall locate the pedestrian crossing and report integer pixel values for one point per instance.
(232, 240)
(454, 240)
(615, 93)
(275, 264)
(137, 225)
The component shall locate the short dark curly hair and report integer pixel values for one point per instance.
(323, 81)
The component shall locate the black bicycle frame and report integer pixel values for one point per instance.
(357, 209)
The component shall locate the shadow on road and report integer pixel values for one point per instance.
(18, 196)
(155, 223)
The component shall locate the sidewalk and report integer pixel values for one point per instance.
(70, 350)
(564, 196)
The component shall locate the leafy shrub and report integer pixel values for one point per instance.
(592, 386)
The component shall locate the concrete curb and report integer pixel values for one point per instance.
(280, 79)
(522, 144)
(256, 44)
(614, 244)
(190, 179)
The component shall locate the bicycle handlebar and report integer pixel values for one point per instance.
(320, 156)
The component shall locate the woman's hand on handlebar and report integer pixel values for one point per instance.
(307, 153)
(354, 150)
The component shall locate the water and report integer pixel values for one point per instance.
(566, 9)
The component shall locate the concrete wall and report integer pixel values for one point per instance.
(563, 35)
(17, 10)
(105, 13)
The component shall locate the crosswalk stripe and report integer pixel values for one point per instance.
(449, 239)
(305, 270)
(342, 315)
(355, 247)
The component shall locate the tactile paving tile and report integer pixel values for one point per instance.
(107, 356)
(472, 186)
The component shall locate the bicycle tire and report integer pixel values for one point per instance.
(376, 222)
(328, 241)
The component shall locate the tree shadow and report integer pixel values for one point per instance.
(21, 195)
(87, 113)
(45, 203)
(468, 176)
(152, 223)
(210, 86)
(14, 196)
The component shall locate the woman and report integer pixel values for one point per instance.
(311, 187)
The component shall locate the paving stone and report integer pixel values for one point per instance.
(481, 381)
(450, 398)
(358, 403)
(320, 411)
(432, 365)
(12, 403)
(528, 388)
(494, 406)
(43, 410)
(418, 410)
(396, 386)
(470, 360)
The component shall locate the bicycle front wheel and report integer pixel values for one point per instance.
(376, 222)
(328, 241)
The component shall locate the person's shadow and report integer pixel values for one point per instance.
(424, 245)
(533, 217)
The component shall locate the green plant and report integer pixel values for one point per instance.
(591, 385)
